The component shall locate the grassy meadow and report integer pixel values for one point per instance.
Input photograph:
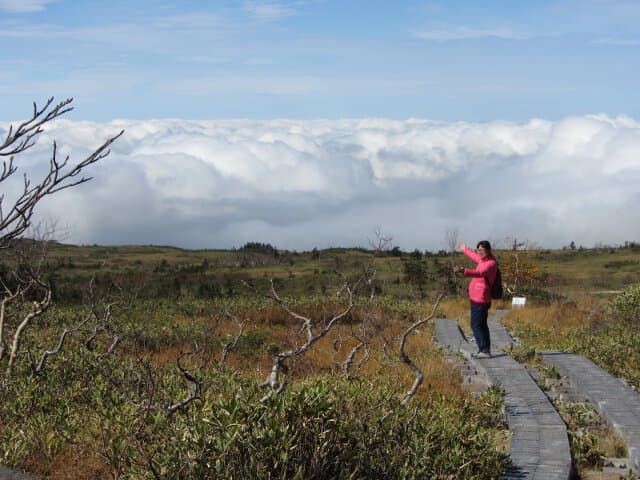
(160, 373)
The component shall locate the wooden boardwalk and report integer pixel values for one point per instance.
(617, 403)
(539, 446)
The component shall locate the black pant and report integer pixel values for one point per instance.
(479, 315)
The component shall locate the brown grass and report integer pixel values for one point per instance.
(74, 461)
(559, 316)
(327, 353)
(612, 444)
(454, 307)
(458, 308)
(169, 354)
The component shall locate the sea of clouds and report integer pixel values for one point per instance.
(304, 184)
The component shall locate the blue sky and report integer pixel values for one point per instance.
(306, 59)
(312, 123)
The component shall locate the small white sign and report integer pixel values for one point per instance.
(518, 302)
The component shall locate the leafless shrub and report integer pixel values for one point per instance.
(360, 336)
(311, 330)
(405, 358)
(24, 293)
(380, 242)
(419, 376)
(233, 344)
(194, 383)
(16, 217)
(451, 239)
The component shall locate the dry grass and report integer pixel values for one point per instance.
(330, 351)
(76, 462)
(458, 308)
(612, 444)
(559, 316)
(168, 355)
(454, 307)
(278, 331)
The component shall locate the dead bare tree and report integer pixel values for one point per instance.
(97, 324)
(451, 237)
(361, 333)
(16, 218)
(24, 293)
(381, 241)
(147, 395)
(519, 266)
(405, 358)
(233, 344)
(194, 383)
(419, 376)
(362, 339)
(312, 331)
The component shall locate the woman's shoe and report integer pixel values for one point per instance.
(481, 355)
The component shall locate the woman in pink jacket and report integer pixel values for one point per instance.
(480, 292)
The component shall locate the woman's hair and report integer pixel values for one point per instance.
(486, 245)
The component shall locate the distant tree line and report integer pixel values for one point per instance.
(259, 247)
(627, 244)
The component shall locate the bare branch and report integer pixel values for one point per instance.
(274, 296)
(371, 283)
(38, 307)
(16, 218)
(407, 360)
(381, 242)
(347, 364)
(230, 346)
(273, 381)
(38, 368)
(22, 138)
(412, 418)
(8, 298)
(194, 389)
(386, 342)
(363, 338)
(451, 239)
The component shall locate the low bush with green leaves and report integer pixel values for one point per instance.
(625, 307)
(591, 441)
(319, 428)
(612, 346)
(611, 339)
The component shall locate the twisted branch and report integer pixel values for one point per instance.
(405, 358)
(273, 380)
(17, 218)
(194, 389)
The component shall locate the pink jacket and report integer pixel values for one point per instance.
(479, 291)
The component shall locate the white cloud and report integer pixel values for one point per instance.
(274, 84)
(616, 41)
(189, 21)
(234, 84)
(269, 11)
(464, 33)
(189, 34)
(202, 59)
(24, 6)
(300, 184)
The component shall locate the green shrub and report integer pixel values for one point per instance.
(612, 345)
(322, 428)
(625, 307)
(325, 428)
(252, 343)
